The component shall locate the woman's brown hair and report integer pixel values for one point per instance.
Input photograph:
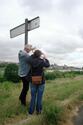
(37, 53)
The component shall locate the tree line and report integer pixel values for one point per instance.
(9, 72)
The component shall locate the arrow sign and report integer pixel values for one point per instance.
(32, 24)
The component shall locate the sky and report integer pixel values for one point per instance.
(60, 35)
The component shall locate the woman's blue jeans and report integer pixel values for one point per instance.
(36, 97)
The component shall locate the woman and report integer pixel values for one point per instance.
(37, 65)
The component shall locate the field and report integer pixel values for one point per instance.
(61, 99)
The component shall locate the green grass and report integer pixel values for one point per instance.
(9, 104)
(56, 92)
(62, 89)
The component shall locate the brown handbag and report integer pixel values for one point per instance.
(36, 79)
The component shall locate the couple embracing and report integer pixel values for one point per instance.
(31, 72)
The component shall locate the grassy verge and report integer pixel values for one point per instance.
(60, 97)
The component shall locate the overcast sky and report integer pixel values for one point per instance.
(60, 34)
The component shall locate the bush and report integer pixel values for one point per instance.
(53, 75)
(58, 74)
(2, 79)
(69, 74)
(11, 72)
(50, 75)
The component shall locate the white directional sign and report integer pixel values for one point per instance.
(32, 24)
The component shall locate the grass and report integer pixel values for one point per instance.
(52, 114)
(57, 92)
(9, 104)
(64, 89)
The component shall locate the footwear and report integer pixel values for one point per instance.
(30, 113)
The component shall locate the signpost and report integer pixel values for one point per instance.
(26, 31)
(25, 27)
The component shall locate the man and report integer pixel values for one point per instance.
(24, 71)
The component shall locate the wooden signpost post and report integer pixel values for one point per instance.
(25, 27)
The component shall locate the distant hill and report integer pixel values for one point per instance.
(52, 66)
(65, 68)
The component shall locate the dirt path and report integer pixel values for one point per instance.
(78, 120)
(22, 122)
(30, 119)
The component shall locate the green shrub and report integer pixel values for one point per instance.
(53, 75)
(2, 79)
(11, 72)
(3, 64)
(69, 74)
(78, 72)
(58, 74)
(50, 75)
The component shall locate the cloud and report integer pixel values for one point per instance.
(44, 5)
(62, 48)
(56, 42)
(68, 6)
(60, 33)
(80, 32)
(9, 50)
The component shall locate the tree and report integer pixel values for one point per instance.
(11, 72)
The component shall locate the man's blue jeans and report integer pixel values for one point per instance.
(36, 97)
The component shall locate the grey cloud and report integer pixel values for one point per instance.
(9, 50)
(61, 45)
(37, 5)
(3, 1)
(81, 33)
(68, 5)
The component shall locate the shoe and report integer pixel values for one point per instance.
(30, 112)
